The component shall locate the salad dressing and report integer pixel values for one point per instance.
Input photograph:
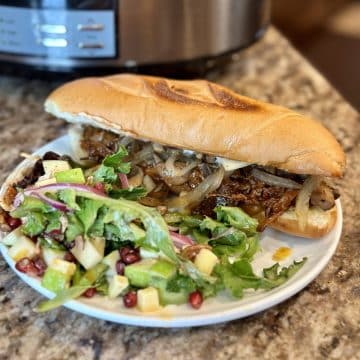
(281, 253)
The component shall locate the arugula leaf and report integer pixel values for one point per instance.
(97, 228)
(215, 227)
(68, 196)
(157, 233)
(88, 212)
(50, 243)
(29, 205)
(129, 194)
(199, 237)
(115, 161)
(34, 225)
(53, 221)
(181, 283)
(74, 228)
(273, 278)
(237, 277)
(237, 218)
(105, 174)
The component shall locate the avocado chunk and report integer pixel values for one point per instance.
(168, 297)
(138, 273)
(75, 176)
(55, 280)
(163, 269)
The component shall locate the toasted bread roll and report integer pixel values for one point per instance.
(202, 116)
(319, 223)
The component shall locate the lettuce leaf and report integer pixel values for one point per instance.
(68, 196)
(237, 218)
(129, 194)
(88, 212)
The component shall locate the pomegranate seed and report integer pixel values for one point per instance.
(129, 256)
(13, 222)
(89, 293)
(40, 265)
(120, 267)
(130, 299)
(68, 256)
(196, 299)
(124, 250)
(26, 266)
(100, 187)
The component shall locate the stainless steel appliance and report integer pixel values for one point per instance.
(68, 35)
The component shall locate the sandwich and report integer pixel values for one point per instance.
(188, 169)
(270, 161)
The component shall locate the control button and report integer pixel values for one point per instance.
(51, 42)
(90, 45)
(53, 29)
(90, 27)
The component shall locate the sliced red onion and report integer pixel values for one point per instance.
(180, 240)
(124, 181)
(19, 198)
(39, 192)
(53, 203)
(275, 180)
(62, 186)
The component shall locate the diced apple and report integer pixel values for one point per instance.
(53, 166)
(10, 238)
(117, 285)
(91, 253)
(75, 176)
(50, 254)
(205, 261)
(148, 299)
(65, 267)
(111, 260)
(55, 281)
(23, 247)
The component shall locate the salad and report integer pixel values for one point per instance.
(85, 231)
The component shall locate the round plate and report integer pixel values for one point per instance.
(223, 307)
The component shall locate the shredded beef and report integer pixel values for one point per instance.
(32, 176)
(98, 143)
(242, 189)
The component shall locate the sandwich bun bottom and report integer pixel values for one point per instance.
(319, 223)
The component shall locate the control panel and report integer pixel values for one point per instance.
(58, 33)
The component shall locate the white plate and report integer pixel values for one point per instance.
(214, 310)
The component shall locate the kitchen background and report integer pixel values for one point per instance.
(328, 34)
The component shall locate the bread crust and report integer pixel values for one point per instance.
(202, 116)
(319, 223)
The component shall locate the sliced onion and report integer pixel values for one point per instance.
(195, 196)
(124, 181)
(143, 154)
(303, 200)
(53, 203)
(274, 180)
(149, 183)
(171, 170)
(180, 240)
(137, 179)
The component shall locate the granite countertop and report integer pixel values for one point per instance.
(321, 322)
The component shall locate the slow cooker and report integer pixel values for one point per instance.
(75, 35)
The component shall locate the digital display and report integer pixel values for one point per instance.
(58, 32)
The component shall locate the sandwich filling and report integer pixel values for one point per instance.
(185, 181)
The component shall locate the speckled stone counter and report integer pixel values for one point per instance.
(321, 322)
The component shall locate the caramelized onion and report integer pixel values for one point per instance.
(195, 196)
(143, 154)
(303, 200)
(274, 180)
(137, 179)
(149, 183)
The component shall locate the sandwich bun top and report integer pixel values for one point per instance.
(201, 116)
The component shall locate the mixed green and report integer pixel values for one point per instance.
(87, 232)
